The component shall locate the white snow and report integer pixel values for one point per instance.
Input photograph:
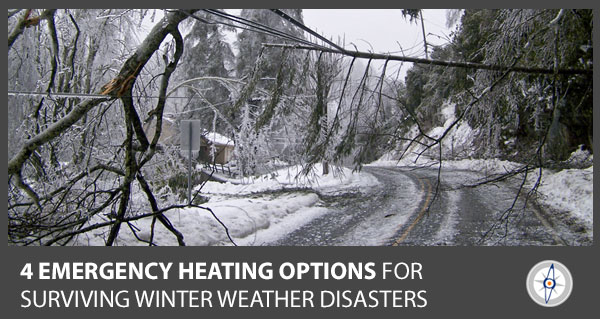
(484, 166)
(569, 191)
(251, 221)
(457, 143)
(218, 139)
(291, 177)
(251, 217)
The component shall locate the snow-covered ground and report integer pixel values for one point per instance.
(571, 191)
(255, 211)
(339, 179)
(567, 192)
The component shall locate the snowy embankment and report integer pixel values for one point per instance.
(339, 179)
(255, 212)
(571, 191)
(568, 192)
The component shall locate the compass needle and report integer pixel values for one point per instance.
(554, 279)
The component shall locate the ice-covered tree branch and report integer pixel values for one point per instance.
(466, 65)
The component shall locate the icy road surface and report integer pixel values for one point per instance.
(395, 213)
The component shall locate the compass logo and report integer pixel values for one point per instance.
(549, 283)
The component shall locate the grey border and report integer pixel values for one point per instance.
(456, 277)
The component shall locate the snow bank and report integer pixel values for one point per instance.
(243, 217)
(484, 166)
(291, 177)
(572, 191)
(252, 219)
(456, 143)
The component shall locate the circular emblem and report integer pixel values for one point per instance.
(549, 283)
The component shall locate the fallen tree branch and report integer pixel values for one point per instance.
(133, 218)
(467, 65)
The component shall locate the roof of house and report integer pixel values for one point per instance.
(218, 139)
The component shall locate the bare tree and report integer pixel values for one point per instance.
(53, 199)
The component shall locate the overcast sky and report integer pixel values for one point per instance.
(378, 30)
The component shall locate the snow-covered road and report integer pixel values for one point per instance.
(381, 205)
(367, 217)
(395, 212)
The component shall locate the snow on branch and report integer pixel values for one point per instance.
(467, 65)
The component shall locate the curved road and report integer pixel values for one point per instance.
(406, 209)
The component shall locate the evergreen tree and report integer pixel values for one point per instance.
(273, 81)
(207, 56)
(249, 43)
(524, 111)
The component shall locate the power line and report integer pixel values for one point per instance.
(84, 95)
(253, 24)
(307, 29)
(257, 27)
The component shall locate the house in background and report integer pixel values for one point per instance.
(169, 134)
(216, 148)
(210, 141)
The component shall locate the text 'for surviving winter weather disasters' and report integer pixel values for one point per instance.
(223, 298)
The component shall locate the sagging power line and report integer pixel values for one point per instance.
(82, 95)
(307, 45)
